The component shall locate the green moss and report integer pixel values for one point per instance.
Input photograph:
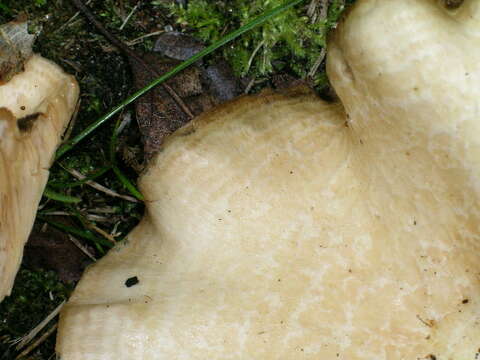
(34, 296)
(289, 43)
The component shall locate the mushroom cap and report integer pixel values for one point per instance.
(283, 227)
(35, 107)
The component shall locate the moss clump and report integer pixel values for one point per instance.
(291, 42)
(34, 296)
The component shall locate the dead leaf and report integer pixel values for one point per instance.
(158, 115)
(199, 87)
(52, 250)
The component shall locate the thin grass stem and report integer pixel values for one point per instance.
(226, 39)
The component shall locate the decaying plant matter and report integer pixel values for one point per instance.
(37, 100)
(284, 227)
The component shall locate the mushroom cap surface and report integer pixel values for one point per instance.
(35, 107)
(283, 227)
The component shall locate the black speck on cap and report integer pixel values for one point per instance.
(131, 281)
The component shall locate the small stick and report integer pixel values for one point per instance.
(102, 232)
(40, 340)
(118, 43)
(71, 19)
(29, 337)
(129, 16)
(135, 41)
(254, 53)
(140, 38)
(317, 63)
(312, 7)
(81, 247)
(323, 15)
(249, 86)
(99, 187)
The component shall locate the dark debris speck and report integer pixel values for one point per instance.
(131, 281)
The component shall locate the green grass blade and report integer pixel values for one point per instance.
(113, 162)
(48, 193)
(78, 232)
(127, 183)
(229, 37)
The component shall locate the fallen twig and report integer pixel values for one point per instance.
(317, 63)
(81, 247)
(100, 231)
(99, 187)
(22, 342)
(69, 21)
(125, 22)
(36, 343)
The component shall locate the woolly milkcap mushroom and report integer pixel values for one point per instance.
(35, 107)
(283, 227)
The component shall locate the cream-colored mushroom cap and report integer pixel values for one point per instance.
(283, 227)
(35, 107)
